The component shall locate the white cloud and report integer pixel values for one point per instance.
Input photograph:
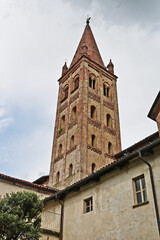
(5, 122)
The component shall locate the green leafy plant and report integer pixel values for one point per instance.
(60, 130)
(20, 216)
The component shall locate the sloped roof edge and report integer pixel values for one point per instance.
(26, 183)
(96, 175)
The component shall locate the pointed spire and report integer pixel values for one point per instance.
(64, 68)
(88, 47)
(110, 67)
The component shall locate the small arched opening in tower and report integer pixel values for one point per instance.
(57, 176)
(76, 82)
(72, 142)
(62, 126)
(74, 113)
(66, 92)
(93, 112)
(60, 150)
(109, 120)
(93, 167)
(70, 169)
(93, 140)
(110, 149)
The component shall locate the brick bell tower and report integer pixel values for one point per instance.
(87, 130)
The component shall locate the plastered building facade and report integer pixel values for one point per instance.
(96, 191)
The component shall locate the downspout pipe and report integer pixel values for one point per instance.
(153, 189)
(61, 220)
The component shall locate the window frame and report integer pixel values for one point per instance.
(141, 190)
(88, 204)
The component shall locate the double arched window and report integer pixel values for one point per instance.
(92, 82)
(106, 90)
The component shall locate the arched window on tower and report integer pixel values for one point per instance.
(66, 92)
(76, 83)
(72, 142)
(109, 120)
(92, 82)
(93, 140)
(70, 169)
(93, 167)
(62, 122)
(93, 112)
(110, 150)
(60, 150)
(57, 176)
(106, 90)
(74, 113)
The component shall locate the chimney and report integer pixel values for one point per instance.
(154, 112)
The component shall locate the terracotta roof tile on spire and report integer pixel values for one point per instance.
(88, 47)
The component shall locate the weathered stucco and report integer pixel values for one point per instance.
(9, 187)
(113, 216)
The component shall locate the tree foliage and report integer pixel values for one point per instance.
(20, 216)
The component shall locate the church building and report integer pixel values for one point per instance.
(95, 190)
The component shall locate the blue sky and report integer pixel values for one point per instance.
(36, 38)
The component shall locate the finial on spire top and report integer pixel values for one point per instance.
(88, 20)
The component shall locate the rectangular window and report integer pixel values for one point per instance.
(88, 205)
(139, 190)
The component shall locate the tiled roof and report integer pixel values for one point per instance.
(26, 183)
(41, 180)
(88, 47)
(138, 145)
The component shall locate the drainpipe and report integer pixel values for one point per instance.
(153, 190)
(61, 220)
